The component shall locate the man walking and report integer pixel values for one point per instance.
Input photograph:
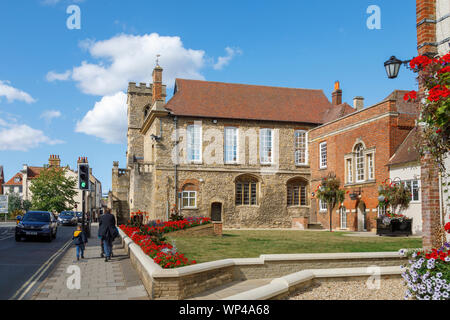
(107, 232)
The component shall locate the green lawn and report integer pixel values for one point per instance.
(250, 244)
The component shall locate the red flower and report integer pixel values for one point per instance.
(444, 70)
(412, 95)
(438, 131)
(420, 62)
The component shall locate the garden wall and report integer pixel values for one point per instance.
(185, 282)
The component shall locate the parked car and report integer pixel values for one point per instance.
(79, 216)
(36, 224)
(67, 218)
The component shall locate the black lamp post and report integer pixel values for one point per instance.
(393, 66)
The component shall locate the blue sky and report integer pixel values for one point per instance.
(62, 91)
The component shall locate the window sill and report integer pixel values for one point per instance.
(232, 163)
(302, 165)
(323, 168)
(246, 206)
(195, 162)
(359, 183)
(298, 207)
(193, 208)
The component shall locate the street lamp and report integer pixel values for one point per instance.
(393, 66)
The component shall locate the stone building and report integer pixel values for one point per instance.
(236, 153)
(357, 149)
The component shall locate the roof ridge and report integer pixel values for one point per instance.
(247, 85)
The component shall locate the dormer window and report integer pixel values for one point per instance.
(17, 179)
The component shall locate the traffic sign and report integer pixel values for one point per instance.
(3, 204)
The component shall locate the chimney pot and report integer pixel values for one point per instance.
(337, 94)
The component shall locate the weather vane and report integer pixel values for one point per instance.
(157, 59)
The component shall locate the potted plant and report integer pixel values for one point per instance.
(397, 197)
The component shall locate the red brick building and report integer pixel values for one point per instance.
(357, 149)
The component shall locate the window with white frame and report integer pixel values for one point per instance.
(370, 167)
(266, 146)
(231, 145)
(381, 210)
(323, 206)
(343, 217)
(188, 199)
(359, 154)
(301, 147)
(194, 143)
(323, 155)
(349, 171)
(413, 186)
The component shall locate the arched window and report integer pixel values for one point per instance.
(246, 190)
(359, 155)
(343, 217)
(297, 192)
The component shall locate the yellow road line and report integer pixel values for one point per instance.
(32, 281)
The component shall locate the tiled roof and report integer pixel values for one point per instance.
(402, 105)
(406, 152)
(11, 181)
(250, 102)
(34, 172)
(337, 112)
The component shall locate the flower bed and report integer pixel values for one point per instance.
(150, 238)
(428, 275)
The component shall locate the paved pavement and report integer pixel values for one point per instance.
(231, 289)
(24, 264)
(100, 280)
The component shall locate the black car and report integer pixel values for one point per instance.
(68, 218)
(36, 224)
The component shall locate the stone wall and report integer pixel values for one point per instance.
(215, 181)
(185, 282)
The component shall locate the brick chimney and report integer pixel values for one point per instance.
(157, 87)
(358, 103)
(337, 94)
(54, 161)
(426, 26)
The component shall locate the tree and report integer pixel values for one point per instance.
(329, 191)
(14, 204)
(53, 191)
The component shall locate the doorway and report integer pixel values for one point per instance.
(362, 220)
(216, 211)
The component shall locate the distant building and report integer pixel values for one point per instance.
(2, 179)
(20, 183)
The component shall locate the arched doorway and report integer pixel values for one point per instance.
(361, 215)
(216, 211)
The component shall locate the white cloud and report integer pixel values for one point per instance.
(20, 137)
(126, 58)
(53, 76)
(12, 93)
(223, 61)
(49, 115)
(107, 120)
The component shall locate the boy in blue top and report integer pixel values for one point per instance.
(79, 239)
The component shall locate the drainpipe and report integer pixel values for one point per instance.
(175, 121)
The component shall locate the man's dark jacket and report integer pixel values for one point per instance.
(107, 227)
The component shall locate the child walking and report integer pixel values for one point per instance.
(79, 239)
